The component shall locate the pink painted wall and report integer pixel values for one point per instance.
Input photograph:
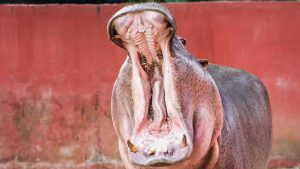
(57, 68)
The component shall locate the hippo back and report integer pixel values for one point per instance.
(246, 136)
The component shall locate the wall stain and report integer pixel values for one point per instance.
(107, 114)
(98, 10)
(7, 159)
(28, 114)
(83, 110)
(24, 120)
(97, 101)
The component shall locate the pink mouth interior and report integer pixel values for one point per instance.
(159, 137)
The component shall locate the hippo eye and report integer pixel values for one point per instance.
(183, 41)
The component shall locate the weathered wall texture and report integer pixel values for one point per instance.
(57, 68)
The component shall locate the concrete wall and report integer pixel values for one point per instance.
(57, 68)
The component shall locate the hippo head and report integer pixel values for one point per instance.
(166, 107)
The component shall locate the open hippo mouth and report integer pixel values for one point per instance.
(159, 133)
(167, 108)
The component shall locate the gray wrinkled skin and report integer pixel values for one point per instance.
(246, 136)
(244, 139)
(247, 129)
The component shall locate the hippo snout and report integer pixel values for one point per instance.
(159, 152)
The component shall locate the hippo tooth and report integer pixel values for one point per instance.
(149, 37)
(168, 118)
(142, 45)
(143, 61)
(165, 150)
(171, 29)
(116, 37)
(159, 55)
(151, 151)
(132, 147)
(183, 143)
(129, 30)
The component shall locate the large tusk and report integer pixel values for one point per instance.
(183, 142)
(132, 147)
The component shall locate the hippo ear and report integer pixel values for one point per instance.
(182, 40)
(203, 62)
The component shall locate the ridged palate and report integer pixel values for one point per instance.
(142, 30)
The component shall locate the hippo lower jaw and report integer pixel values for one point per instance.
(159, 158)
(152, 150)
(159, 136)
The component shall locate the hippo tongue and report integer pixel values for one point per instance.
(157, 106)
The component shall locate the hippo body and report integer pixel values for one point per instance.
(172, 111)
(245, 140)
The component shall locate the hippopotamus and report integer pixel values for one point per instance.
(170, 110)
